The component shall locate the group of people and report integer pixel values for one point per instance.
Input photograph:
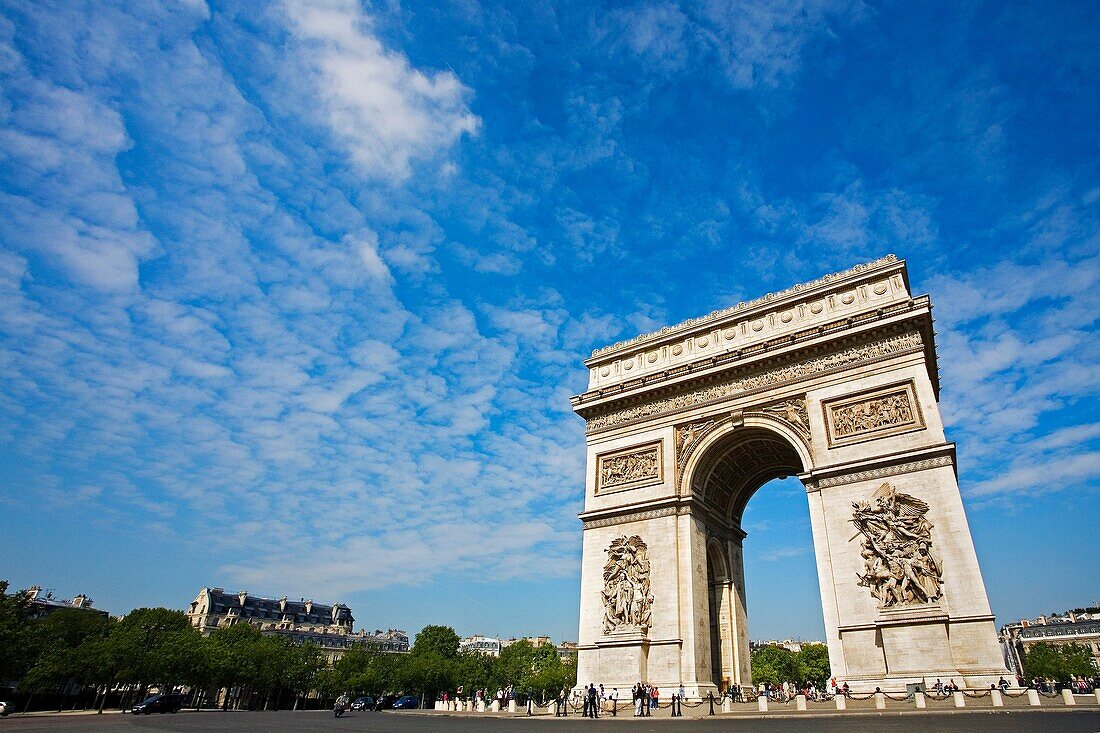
(1079, 685)
(941, 689)
(788, 690)
(595, 700)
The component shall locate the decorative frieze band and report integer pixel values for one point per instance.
(903, 343)
(884, 471)
(665, 511)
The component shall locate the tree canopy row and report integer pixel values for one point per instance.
(76, 657)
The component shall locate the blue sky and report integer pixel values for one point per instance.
(293, 296)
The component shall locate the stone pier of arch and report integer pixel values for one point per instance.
(833, 381)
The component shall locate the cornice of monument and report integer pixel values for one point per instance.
(757, 306)
(766, 359)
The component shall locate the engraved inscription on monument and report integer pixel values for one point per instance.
(876, 414)
(626, 600)
(636, 466)
(899, 564)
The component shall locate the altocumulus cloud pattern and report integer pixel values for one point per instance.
(294, 295)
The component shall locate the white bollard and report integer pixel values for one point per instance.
(880, 700)
(1097, 693)
(1067, 697)
(554, 708)
(727, 706)
(495, 706)
(1033, 698)
(511, 706)
(841, 702)
(481, 706)
(995, 696)
(762, 703)
(960, 701)
(918, 699)
(799, 702)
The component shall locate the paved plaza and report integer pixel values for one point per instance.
(976, 721)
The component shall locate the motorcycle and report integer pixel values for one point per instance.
(338, 709)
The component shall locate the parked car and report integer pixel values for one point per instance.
(408, 702)
(163, 703)
(5, 708)
(365, 702)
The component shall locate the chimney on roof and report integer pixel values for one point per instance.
(81, 601)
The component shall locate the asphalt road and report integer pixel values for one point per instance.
(1023, 721)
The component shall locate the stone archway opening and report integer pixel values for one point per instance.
(729, 471)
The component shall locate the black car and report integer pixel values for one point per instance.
(366, 702)
(159, 704)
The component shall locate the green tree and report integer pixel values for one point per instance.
(17, 652)
(237, 658)
(515, 665)
(1058, 662)
(813, 664)
(57, 640)
(441, 641)
(775, 665)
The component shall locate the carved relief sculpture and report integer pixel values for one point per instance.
(869, 415)
(630, 468)
(687, 435)
(900, 565)
(627, 602)
(793, 412)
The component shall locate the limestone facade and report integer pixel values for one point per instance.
(833, 381)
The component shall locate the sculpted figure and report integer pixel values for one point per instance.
(626, 598)
(899, 565)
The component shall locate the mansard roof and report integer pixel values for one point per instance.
(274, 605)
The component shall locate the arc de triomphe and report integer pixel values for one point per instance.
(833, 381)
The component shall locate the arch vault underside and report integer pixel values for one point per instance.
(834, 382)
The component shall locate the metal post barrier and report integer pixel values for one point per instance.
(1067, 697)
(710, 697)
(1033, 698)
(960, 700)
(614, 707)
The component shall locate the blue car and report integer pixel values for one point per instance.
(408, 702)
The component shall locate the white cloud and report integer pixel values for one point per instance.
(387, 113)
